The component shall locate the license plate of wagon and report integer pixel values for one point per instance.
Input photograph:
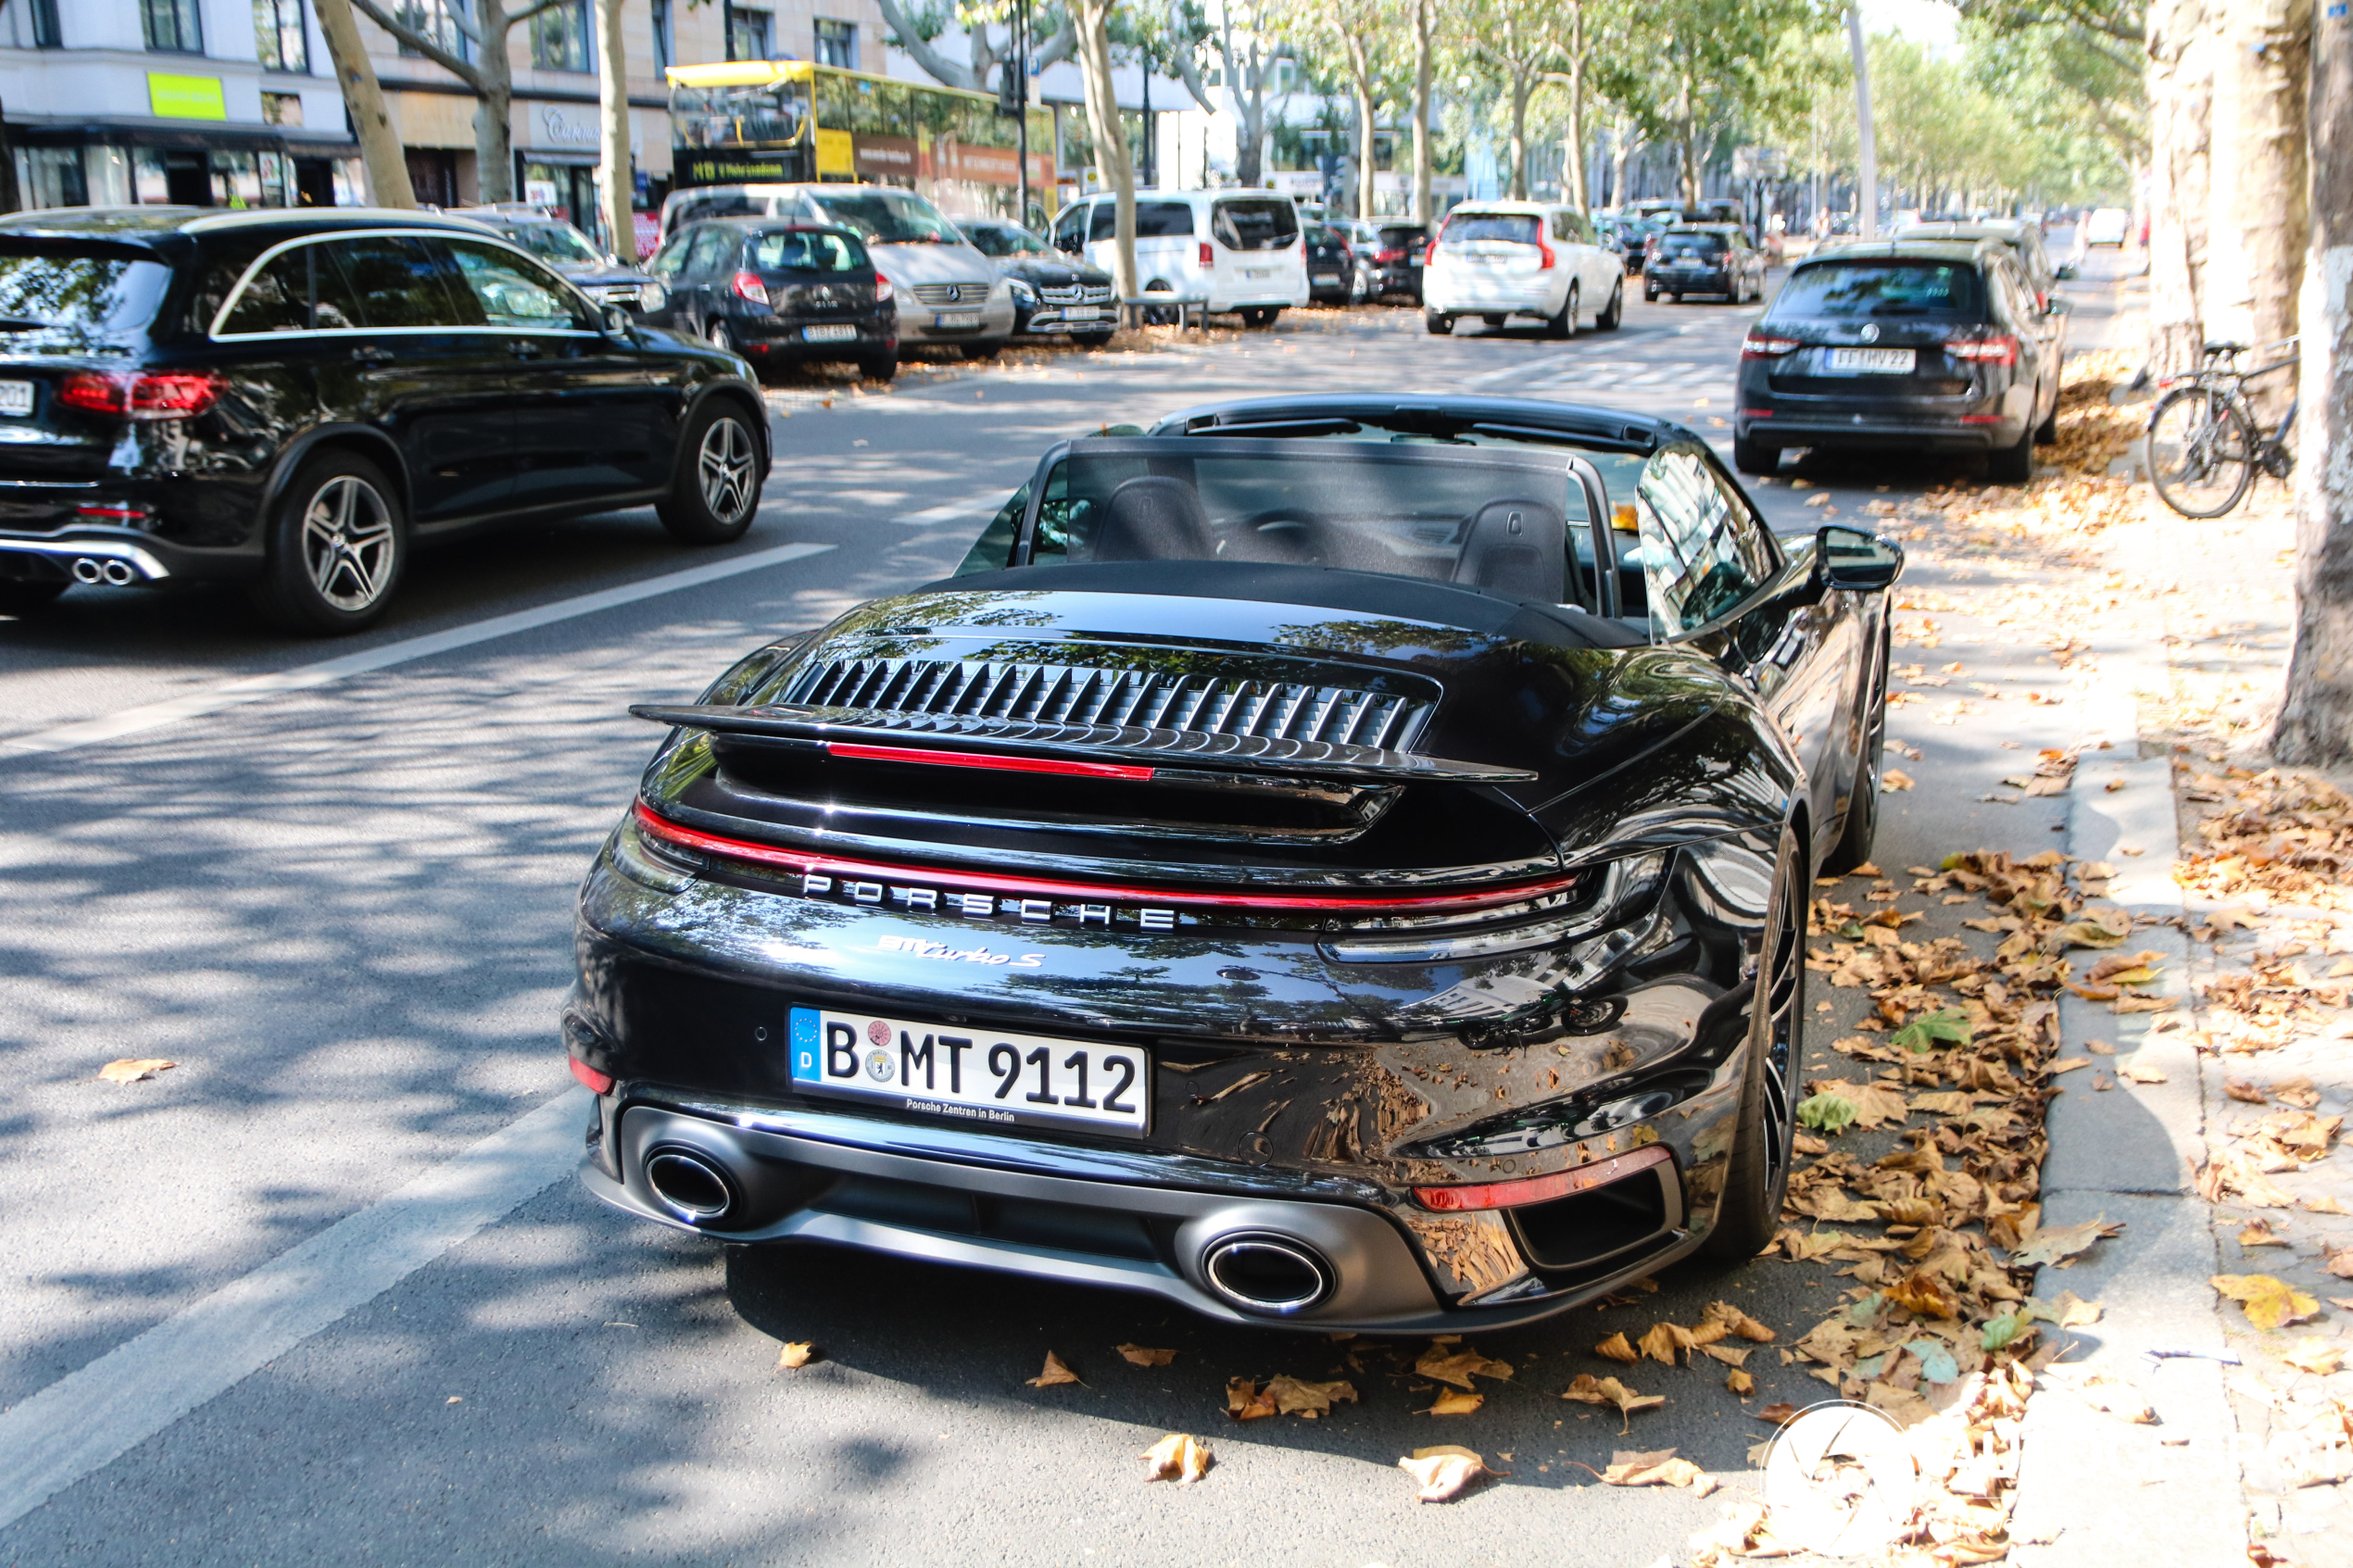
(985, 1077)
(1872, 361)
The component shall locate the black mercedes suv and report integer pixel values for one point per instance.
(293, 399)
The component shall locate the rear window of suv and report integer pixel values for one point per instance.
(1672, 243)
(1895, 287)
(1254, 225)
(66, 298)
(1514, 227)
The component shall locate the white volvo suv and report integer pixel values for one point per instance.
(1500, 259)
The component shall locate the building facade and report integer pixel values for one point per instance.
(211, 102)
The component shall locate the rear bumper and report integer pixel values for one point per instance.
(1689, 283)
(1452, 296)
(120, 556)
(1974, 424)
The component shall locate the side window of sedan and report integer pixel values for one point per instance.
(515, 292)
(396, 282)
(1701, 550)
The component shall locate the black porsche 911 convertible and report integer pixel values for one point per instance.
(1339, 862)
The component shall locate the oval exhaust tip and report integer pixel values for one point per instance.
(690, 1184)
(87, 569)
(1272, 1275)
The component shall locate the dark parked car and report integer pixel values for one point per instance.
(1389, 257)
(1052, 293)
(293, 399)
(1703, 258)
(1906, 345)
(605, 279)
(1332, 266)
(1381, 910)
(1630, 237)
(777, 293)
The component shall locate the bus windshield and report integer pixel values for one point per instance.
(764, 115)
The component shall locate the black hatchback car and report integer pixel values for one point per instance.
(777, 292)
(291, 399)
(1332, 266)
(1712, 258)
(1904, 345)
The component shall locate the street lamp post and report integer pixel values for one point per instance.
(1867, 198)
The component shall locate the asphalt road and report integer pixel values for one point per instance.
(333, 884)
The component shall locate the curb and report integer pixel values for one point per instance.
(2129, 1153)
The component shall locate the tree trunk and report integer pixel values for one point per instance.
(1622, 149)
(2258, 222)
(1360, 67)
(613, 125)
(1109, 135)
(380, 151)
(1421, 23)
(494, 108)
(2315, 721)
(1577, 195)
(1523, 84)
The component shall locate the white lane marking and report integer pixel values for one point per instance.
(950, 511)
(89, 1418)
(254, 688)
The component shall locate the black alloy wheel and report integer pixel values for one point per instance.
(23, 596)
(1757, 1176)
(1439, 323)
(337, 547)
(1853, 847)
(715, 488)
(1614, 312)
(722, 336)
(1159, 315)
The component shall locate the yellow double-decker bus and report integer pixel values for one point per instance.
(793, 121)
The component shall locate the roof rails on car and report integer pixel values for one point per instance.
(260, 216)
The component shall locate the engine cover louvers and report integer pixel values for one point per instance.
(1206, 705)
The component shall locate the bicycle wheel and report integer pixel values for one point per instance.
(2201, 451)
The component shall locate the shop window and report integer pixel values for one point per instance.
(750, 33)
(281, 109)
(278, 37)
(434, 19)
(838, 44)
(52, 177)
(173, 26)
(559, 38)
(46, 34)
(665, 38)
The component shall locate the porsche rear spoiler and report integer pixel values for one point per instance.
(1099, 750)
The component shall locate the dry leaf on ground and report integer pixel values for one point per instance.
(1459, 1367)
(1443, 1471)
(1179, 1457)
(1140, 1356)
(1450, 1402)
(1054, 1373)
(1293, 1396)
(2140, 1071)
(1660, 1469)
(1617, 1348)
(2314, 1355)
(1895, 779)
(131, 1069)
(1737, 1322)
(2060, 1247)
(1740, 1383)
(1665, 1340)
(2267, 1302)
(1246, 1401)
(796, 1354)
(1588, 1390)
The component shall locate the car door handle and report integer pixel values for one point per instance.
(526, 349)
(371, 355)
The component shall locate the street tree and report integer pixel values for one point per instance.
(1091, 19)
(363, 100)
(2316, 720)
(486, 68)
(1518, 41)
(1691, 69)
(1421, 26)
(1351, 40)
(612, 132)
(989, 45)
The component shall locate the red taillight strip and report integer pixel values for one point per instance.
(654, 825)
(1540, 1189)
(979, 759)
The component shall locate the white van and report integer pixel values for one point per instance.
(2108, 226)
(1500, 259)
(948, 292)
(1239, 249)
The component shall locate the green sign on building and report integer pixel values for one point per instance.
(185, 97)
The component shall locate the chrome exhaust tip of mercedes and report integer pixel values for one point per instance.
(1273, 1275)
(95, 570)
(690, 1184)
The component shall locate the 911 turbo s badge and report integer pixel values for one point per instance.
(915, 947)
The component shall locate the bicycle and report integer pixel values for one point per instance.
(2205, 443)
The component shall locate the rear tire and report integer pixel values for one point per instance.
(1564, 324)
(2013, 464)
(1614, 312)
(1438, 324)
(879, 367)
(337, 548)
(1754, 456)
(715, 488)
(1159, 315)
(1756, 1177)
(20, 598)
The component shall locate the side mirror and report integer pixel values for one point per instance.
(616, 322)
(1851, 559)
(2058, 307)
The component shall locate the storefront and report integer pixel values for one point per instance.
(125, 165)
